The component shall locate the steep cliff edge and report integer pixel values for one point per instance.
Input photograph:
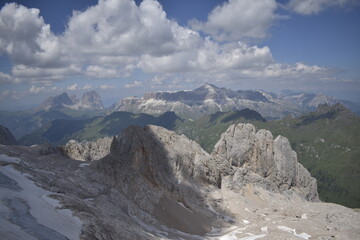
(6, 137)
(261, 159)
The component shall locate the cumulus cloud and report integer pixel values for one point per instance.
(26, 38)
(106, 86)
(101, 72)
(35, 90)
(5, 78)
(308, 7)
(73, 87)
(4, 94)
(26, 73)
(116, 37)
(210, 56)
(87, 87)
(239, 19)
(134, 84)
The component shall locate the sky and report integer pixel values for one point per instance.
(123, 48)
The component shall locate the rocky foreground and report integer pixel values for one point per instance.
(155, 184)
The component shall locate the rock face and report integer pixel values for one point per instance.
(59, 101)
(165, 157)
(261, 159)
(91, 100)
(6, 137)
(87, 150)
(210, 99)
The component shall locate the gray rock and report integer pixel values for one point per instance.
(6, 137)
(87, 150)
(265, 161)
(91, 100)
(210, 99)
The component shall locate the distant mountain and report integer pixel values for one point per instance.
(61, 106)
(327, 143)
(61, 131)
(209, 99)
(6, 137)
(90, 101)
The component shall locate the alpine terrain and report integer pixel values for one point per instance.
(156, 184)
(209, 99)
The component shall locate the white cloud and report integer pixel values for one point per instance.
(4, 94)
(106, 86)
(35, 90)
(5, 78)
(37, 74)
(308, 7)
(115, 38)
(87, 87)
(26, 38)
(211, 56)
(134, 84)
(101, 72)
(73, 87)
(237, 19)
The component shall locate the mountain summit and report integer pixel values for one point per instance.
(90, 101)
(209, 99)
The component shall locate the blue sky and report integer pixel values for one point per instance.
(123, 48)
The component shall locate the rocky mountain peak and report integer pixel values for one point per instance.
(91, 100)
(164, 157)
(263, 160)
(57, 101)
(242, 156)
(6, 137)
(323, 108)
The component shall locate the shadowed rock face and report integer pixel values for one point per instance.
(58, 101)
(159, 169)
(164, 156)
(155, 184)
(6, 137)
(260, 157)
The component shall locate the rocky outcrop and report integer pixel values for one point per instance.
(91, 100)
(260, 159)
(87, 150)
(164, 157)
(6, 137)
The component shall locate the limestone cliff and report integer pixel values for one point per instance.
(259, 158)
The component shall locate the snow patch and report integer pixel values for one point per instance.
(8, 159)
(293, 231)
(43, 208)
(84, 164)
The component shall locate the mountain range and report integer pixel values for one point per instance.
(61, 106)
(209, 99)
